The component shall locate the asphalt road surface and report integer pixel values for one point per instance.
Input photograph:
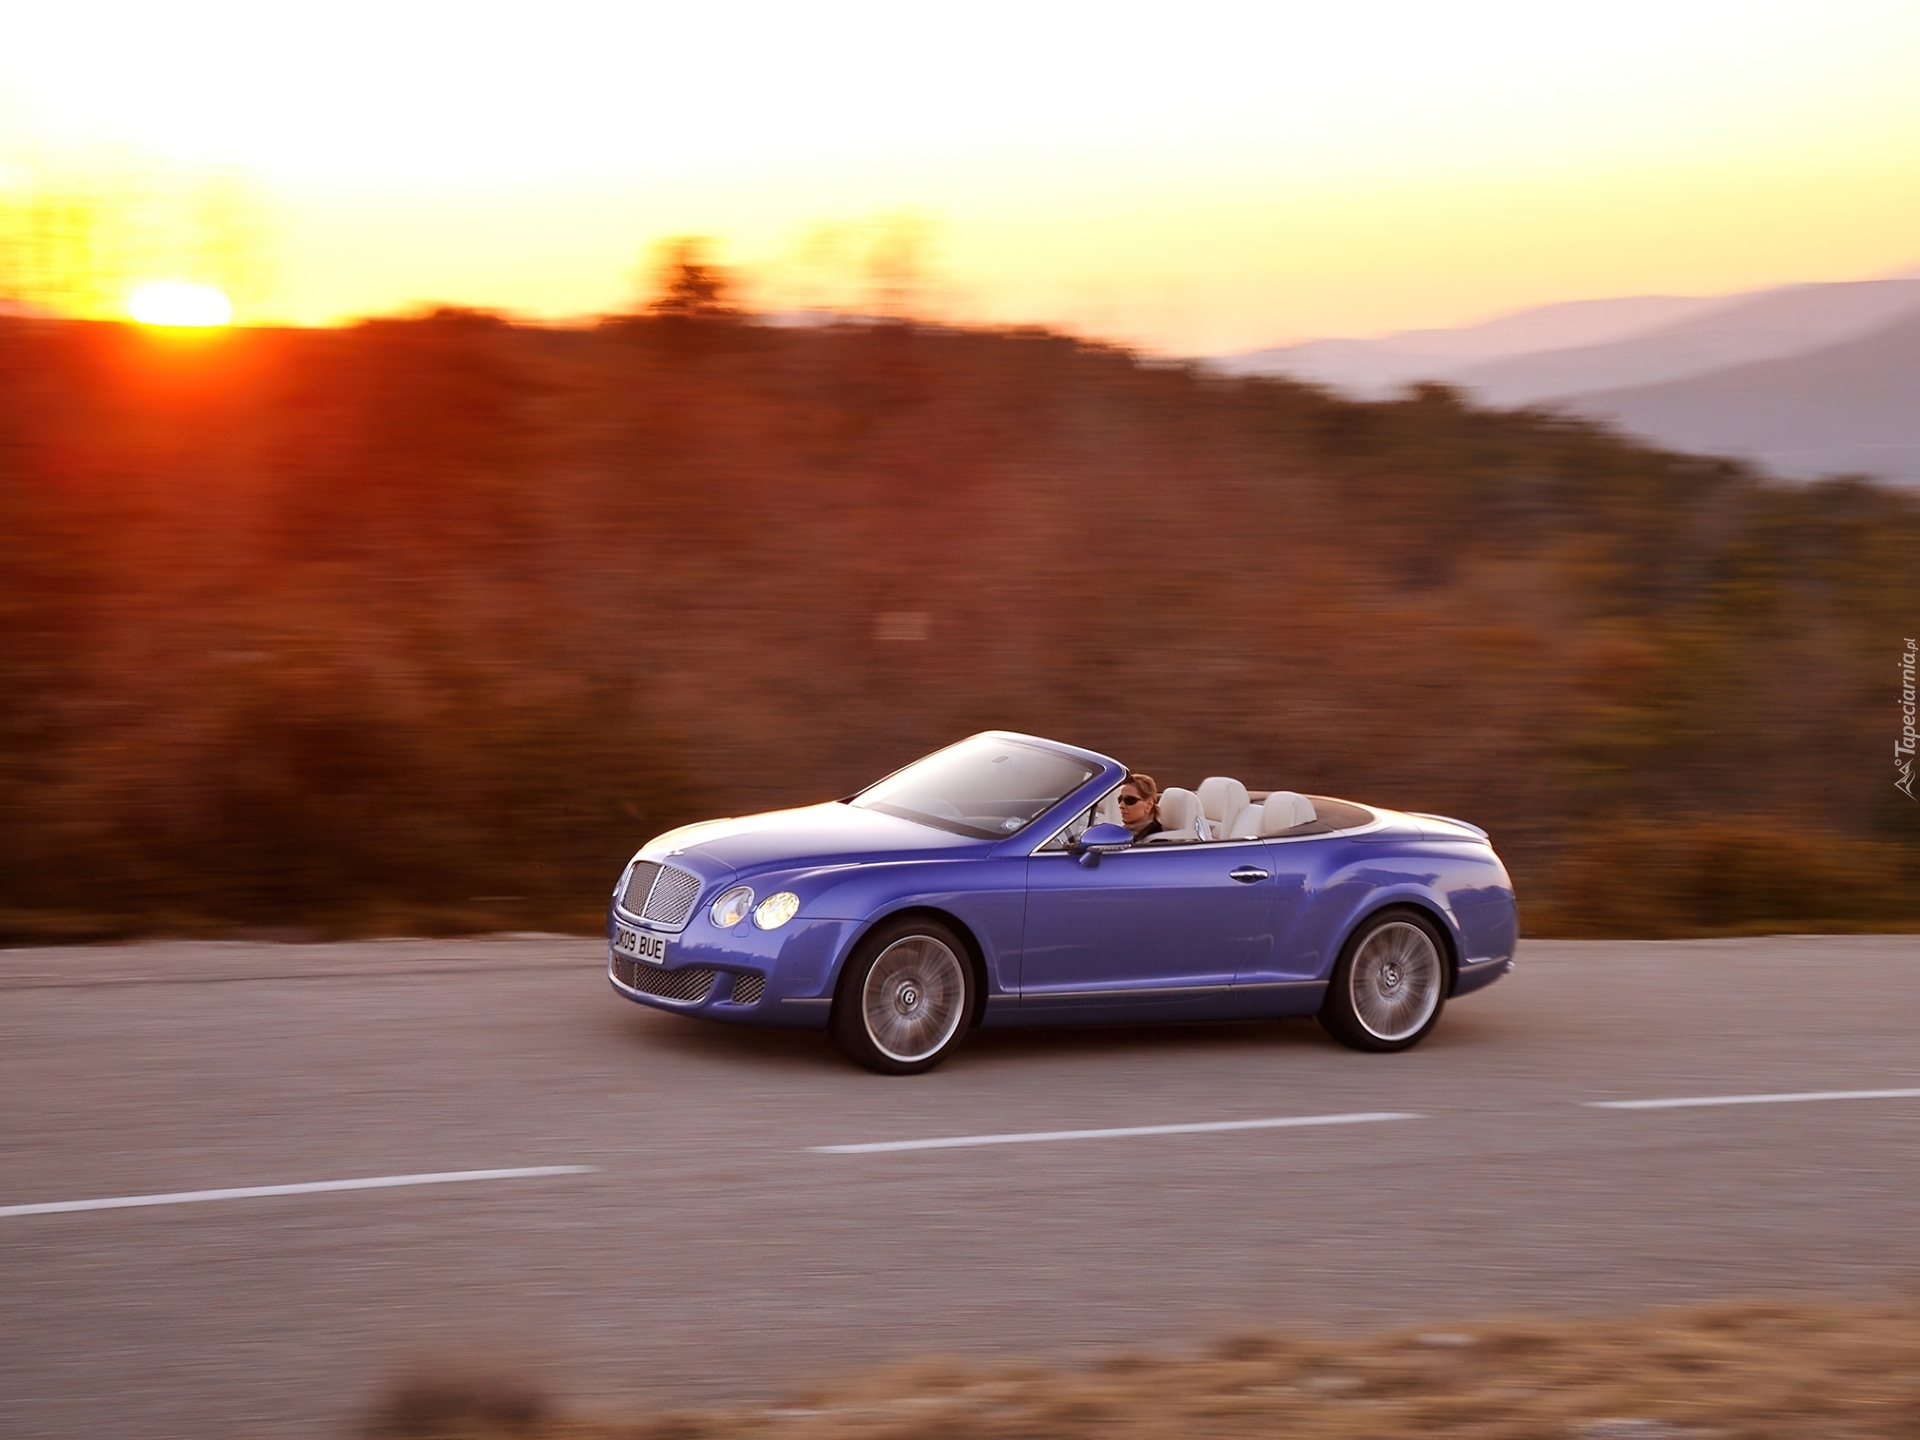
(712, 1253)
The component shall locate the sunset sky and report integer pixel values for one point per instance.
(1196, 179)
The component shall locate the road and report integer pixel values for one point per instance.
(711, 1252)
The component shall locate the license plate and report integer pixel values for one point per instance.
(640, 944)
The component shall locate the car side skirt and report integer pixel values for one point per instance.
(1164, 1005)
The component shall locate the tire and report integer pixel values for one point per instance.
(905, 997)
(1390, 985)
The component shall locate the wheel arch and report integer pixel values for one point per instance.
(976, 956)
(1449, 941)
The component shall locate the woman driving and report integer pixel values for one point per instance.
(1140, 806)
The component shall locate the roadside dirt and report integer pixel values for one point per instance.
(1746, 1371)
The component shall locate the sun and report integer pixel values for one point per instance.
(179, 303)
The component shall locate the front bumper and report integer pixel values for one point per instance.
(781, 977)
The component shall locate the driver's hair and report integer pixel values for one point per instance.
(1145, 785)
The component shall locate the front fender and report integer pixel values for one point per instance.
(988, 897)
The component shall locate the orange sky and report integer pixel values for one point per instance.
(1198, 179)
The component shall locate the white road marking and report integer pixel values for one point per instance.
(311, 1187)
(1038, 1137)
(1684, 1102)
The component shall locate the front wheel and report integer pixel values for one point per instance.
(904, 998)
(1387, 989)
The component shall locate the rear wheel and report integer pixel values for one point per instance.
(1390, 983)
(904, 998)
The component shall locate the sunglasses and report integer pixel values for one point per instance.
(1133, 800)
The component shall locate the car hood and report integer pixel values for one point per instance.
(813, 835)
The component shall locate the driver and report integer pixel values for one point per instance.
(1140, 806)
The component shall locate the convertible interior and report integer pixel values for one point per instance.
(1224, 809)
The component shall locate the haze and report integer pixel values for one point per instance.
(1215, 178)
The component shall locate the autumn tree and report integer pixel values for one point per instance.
(687, 282)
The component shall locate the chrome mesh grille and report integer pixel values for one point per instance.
(639, 882)
(683, 985)
(672, 897)
(747, 989)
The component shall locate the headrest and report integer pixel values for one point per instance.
(1223, 800)
(1283, 811)
(1179, 809)
(1107, 812)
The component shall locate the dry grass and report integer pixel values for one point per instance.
(1750, 1371)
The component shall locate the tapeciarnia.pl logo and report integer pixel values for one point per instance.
(1903, 747)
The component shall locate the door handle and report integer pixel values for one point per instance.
(1247, 874)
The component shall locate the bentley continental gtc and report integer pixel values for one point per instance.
(991, 883)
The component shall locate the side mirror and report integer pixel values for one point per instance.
(1098, 840)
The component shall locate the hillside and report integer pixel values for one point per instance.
(425, 625)
(1852, 408)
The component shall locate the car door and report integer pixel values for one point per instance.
(1155, 925)
(1291, 956)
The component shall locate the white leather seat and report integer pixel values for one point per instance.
(1246, 825)
(1107, 812)
(1221, 799)
(1181, 817)
(1284, 810)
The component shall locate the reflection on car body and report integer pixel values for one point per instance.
(991, 884)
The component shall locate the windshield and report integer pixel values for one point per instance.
(981, 787)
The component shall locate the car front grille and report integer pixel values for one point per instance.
(663, 894)
(633, 898)
(747, 989)
(682, 985)
(671, 899)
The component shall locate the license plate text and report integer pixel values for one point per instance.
(640, 945)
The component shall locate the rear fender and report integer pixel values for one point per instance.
(1468, 895)
(1368, 876)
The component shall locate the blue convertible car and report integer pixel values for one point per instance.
(990, 884)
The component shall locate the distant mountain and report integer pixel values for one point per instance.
(1584, 346)
(1804, 379)
(1851, 407)
(1766, 325)
(1377, 367)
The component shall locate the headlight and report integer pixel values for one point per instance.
(731, 908)
(776, 910)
